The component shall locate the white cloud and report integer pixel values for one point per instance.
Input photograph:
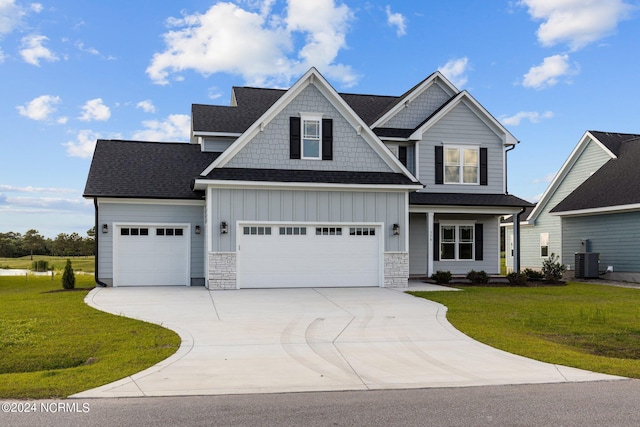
(176, 127)
(213, 93)
(84, 144)
(81, 47)
(36, 7)
(260, 46)
(455, 70)
(576, 22)
(10, 16)
(547, 74)
(62, 120)
(39, 108)
(532, 116)
(396, 20)
(2, 56)
(146, 106)
(30, 189)
(95, 110)
(33, 51)
(545, 179)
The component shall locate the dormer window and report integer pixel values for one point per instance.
(311, 136)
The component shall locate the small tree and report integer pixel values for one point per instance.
(552, 269)
(68, 278)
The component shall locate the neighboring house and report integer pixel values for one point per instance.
(307, 187)
(592, 205)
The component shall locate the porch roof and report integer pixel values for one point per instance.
(466, 199)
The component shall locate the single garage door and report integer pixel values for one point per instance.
(151, 255)
(290, 255)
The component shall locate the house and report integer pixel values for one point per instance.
(307, 187)
(592, 205)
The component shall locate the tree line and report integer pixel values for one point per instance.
(14, 245)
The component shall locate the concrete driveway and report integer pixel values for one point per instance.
(293, 340)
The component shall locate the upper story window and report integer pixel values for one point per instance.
(461, 165)
(311, 136)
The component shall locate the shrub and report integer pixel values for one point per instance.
(478, 277)
(40, 265)
(533, 274)
(517, 279)
(552, 269)
(68, 278)
(441, 277)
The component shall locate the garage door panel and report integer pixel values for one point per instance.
(305, 260)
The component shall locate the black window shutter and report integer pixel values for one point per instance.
(327, 139)
(436, 241)
(483, 166)
(479, 243)
(439, 165)
(402, 155)
(294, 137)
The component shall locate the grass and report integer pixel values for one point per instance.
(593, 327)
(81, 263)
(53, 344)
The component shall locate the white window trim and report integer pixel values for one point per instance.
(543, 237)
(311, 117)
(457, 225)
(461, 147)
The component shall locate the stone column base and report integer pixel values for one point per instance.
(396, 269)
(222, 270)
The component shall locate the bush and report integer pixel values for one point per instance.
(40, 265)
(552, 269)
(68, 278)
(517, 279)
(441, 277)
(533, 274)
(478, 277)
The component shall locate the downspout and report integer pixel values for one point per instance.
(506, 169)
(97, 233)
(516, 233)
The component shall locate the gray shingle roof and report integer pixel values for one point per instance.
(462, 199)
(323, 177)
(616, 183)
(145, 169)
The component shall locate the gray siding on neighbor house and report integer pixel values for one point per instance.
(141, 213)
(588, 161)
(461, 126)
(269, 149)
(419, 109)
(419, 249)
(615, 236)
(216, 145)
(232, 205)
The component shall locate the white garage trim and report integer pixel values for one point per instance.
(176, 265)
(254, 269)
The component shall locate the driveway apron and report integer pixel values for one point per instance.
(294, 340)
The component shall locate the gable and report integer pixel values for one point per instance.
(269, 149)
(414, 113)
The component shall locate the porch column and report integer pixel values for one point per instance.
(430, 243)
(516, 243)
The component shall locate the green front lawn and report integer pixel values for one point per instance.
(81, 263)
(52, 344)
(593, 327)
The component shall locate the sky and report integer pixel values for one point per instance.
(74, 71)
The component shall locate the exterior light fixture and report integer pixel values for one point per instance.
(224, 227)
(396, 230)
(105, 228)
(197, 230)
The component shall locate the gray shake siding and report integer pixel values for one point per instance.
(615, 236)
(589, 161)
(141, 213)
(419, 109)
(461, 126)
(270, 148)
(233, 205)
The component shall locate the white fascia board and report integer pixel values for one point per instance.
(202, 184)
(564, 170)
(478, 109)
(597, 211)
(225, 134)
(472, 210)
(173, 202)
(427, 83)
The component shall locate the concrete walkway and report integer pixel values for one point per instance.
(293, 340)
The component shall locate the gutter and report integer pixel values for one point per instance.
(506, 169)
(97, 233)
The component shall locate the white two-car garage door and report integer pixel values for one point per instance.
(298, 255)
(151, 255)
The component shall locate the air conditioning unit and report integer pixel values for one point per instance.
(587, 265)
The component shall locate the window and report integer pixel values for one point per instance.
(293, 231)
(456, 242)
(168, 231)
(311, 137)
(328, 231)
(461, 165)
(254, 230)
(362, 231)
(544, 244)
(134, 231)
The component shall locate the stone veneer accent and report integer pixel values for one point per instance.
(222, 270)
(396, 269)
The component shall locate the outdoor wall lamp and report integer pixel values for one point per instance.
(224, 227)
(396, 230)
(197, 230)
(105, 228)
